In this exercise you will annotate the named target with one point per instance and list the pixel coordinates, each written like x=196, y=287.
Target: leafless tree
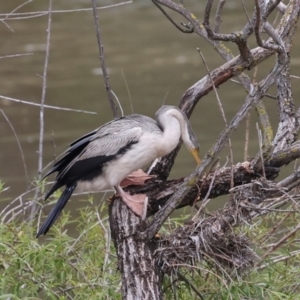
x=144, y=258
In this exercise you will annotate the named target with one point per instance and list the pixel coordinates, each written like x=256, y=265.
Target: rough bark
x=141, y=277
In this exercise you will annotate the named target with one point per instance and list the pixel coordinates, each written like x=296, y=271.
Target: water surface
x=149, y=62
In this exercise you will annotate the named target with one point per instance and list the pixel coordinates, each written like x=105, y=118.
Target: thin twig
x=15, y=55
x=107, y=240
x=119, y=103
x=218, y=19
x=248, y=119
x=18, y=142
x=280, y=242
x=222, y=113
x=294, y=76
x=48, y=106
x=43, y=99
x=247, y=134
x=188, y=282
x=279, y=259
x=188, y=30
x=246, y=13
x=206, y=199
x=15, y=9
x=128, y=92
x=110, y=95
x=261, y=152
x=34, y=14
x=251, y=87
x=41, y=135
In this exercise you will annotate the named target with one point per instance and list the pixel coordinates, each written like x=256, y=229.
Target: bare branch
x=234, y=67
x=15, y=55
x=270, y=7
x=189, y=30
x=110, y=95
x=288, y=126
x=47, y=106
x=35, y=14
x=218, y=19
x=41, y=136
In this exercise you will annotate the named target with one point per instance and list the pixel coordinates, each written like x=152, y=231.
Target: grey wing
x=111, y=144
x=127, y=123
x=99, y=151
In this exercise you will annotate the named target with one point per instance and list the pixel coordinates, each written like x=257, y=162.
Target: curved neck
x=175, y=118
x=174, y=127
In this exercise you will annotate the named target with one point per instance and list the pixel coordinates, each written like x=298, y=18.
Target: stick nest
x=212, y=239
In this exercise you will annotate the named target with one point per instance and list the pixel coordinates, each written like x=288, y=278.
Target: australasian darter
x=103, y=158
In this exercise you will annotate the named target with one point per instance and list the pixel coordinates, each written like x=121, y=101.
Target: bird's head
x=191, y=142
x=187, y=134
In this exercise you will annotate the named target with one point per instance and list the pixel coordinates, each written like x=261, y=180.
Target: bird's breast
x=150, y=146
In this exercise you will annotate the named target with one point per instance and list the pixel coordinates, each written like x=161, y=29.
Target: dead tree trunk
x=141, y=277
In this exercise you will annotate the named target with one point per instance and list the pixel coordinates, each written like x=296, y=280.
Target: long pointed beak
x=195, y=153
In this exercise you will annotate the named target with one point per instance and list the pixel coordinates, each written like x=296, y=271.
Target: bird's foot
x=137, y=177
x=137, y=203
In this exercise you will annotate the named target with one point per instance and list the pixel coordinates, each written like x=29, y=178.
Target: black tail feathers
x=57, y=209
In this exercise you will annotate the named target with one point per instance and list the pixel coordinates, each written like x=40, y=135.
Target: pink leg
x=137, y=203
x=137, y=177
